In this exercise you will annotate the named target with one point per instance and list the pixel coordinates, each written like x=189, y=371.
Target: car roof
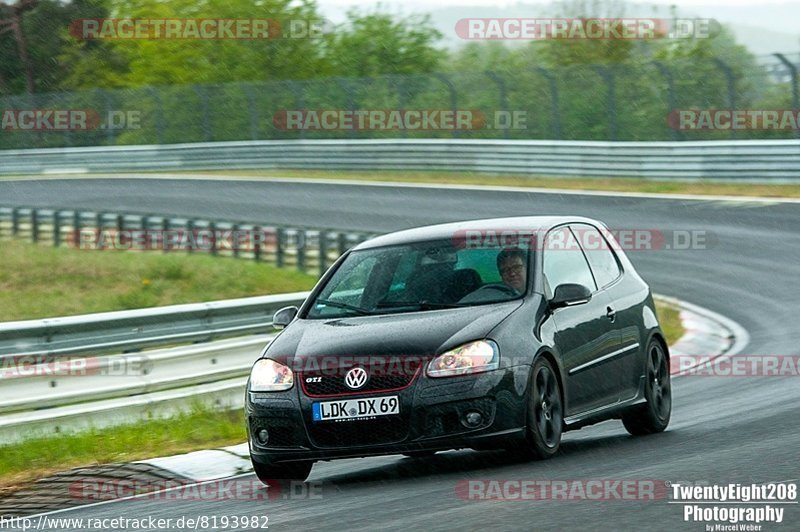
x=453, y=229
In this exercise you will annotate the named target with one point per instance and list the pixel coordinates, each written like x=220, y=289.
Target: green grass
x=195, y=430
x=38, y=281
x=670, y=320
x=619, y=184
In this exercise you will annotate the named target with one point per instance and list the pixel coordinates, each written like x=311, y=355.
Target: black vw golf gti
x=485, y=334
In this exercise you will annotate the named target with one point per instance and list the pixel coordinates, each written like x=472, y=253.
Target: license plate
x=356, y=408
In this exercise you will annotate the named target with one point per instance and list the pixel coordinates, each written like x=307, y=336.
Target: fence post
x=608, y=76
x=252, y=108
x=212, y=227
x=664, y=71
x=202, y=93
x=99, y=229
x=159, y=114
x=235, y=246
x=501, y=86
x=795, y=95
x=451, y=89
x=165, y=226
x=731, y=82
x=554, y=106
x=76, y=228
x=14, y=221
x=351, y=104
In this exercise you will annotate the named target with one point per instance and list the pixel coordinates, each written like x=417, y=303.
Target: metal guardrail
x=133, y=330
x=307, y=249
x=750, y=159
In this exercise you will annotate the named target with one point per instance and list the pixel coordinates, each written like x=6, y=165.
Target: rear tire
x=545, y=412
x=287, y=471
x=654, y=415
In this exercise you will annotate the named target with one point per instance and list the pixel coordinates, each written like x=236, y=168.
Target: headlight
x=473, y=357
x=270, y=376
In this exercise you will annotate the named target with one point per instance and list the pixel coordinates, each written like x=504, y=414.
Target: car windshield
x=421, y=276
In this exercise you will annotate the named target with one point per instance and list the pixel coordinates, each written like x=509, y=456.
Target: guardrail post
x=76, y=228
x=501, y=85
x=56, y=228
x=34, y=225
x=554, y=106
x=730, y=78
x=14, y=221
x=795, y=95
x=255, y=237
x=279, y=242
x=191, y=237
x=212, y=227
x=99, y=222
x=121, y=230
x=235, y=247
x=301, y=249
x=165, y=226
x=341, y=242
x=323, y=252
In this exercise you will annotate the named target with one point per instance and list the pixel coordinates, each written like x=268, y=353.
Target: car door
x=584, y=334
x=624, y=301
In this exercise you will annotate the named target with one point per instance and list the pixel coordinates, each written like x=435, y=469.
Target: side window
x=598, y=252
x=564, y=262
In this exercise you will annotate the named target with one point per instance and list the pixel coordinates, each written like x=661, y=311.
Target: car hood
x=409, y=334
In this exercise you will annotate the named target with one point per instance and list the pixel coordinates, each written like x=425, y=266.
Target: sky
x=764, y=26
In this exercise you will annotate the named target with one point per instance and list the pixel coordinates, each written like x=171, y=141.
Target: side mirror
x=567, y=295
x=284, y=317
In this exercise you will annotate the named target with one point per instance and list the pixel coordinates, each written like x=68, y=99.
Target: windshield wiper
x=345, y=306
x=421, y=305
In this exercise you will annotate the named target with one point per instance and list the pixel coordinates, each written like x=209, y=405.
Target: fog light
x=262, y=437
x=473, y=419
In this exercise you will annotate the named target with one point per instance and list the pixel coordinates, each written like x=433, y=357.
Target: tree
x=375, y=43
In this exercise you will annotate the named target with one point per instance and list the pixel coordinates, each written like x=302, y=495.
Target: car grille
x=380, y=380
x=355, y=433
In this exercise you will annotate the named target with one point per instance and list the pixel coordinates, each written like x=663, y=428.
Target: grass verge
x=39, y=281
x=619, y=184
x=198, y=429
x=670, y=320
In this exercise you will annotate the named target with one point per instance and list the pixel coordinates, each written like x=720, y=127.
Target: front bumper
x=430, y=418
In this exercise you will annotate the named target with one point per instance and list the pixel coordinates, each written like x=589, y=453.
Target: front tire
x=545, y=412
x=654, y=415
x=298, y=471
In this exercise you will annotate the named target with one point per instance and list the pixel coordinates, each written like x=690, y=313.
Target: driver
x=511, y=265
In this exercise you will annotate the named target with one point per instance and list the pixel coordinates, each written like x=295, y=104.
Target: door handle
x=611, y=313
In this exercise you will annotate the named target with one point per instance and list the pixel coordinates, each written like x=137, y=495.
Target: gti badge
x=355, y=378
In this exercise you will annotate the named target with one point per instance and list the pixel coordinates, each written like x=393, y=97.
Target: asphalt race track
x=723, y=430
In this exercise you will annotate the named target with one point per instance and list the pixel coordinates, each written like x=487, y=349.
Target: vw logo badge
x=355, y=378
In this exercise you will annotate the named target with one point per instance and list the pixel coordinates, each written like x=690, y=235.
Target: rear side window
x=564, y=262
x=598, y=252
